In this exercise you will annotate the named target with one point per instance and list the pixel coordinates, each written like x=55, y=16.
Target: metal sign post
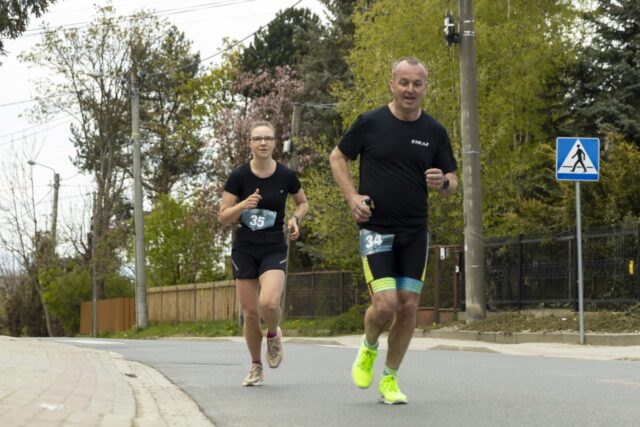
x=580, y=278
x=578, y=159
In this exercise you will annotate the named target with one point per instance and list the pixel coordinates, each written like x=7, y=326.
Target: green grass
x=596, y=322
x=221, y=328
x=351, y=322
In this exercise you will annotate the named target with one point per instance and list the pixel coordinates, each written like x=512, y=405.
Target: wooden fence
x=115, y=314
x=189, y=303
x=180, y=303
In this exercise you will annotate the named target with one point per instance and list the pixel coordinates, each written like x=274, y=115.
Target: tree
x=171, y=118
x=604, y=84
x=288, y=38
x=90, y=70
x=183, y=246
x=513, y=77
x=23, y=239
x=14, y=17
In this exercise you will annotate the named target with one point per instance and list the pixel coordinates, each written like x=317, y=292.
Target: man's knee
x=407, y=307
x=384, y=305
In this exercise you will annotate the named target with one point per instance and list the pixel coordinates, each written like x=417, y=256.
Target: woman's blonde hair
x=261, y=123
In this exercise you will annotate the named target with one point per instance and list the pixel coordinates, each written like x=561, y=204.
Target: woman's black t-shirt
x=269, y=214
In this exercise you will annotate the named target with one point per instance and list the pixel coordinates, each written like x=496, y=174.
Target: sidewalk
x=544, y=349
x=48, y=384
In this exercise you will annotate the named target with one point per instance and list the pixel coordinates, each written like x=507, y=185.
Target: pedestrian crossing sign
x=577, y=159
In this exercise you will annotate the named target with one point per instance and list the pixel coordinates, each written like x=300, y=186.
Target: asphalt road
x=445, y=388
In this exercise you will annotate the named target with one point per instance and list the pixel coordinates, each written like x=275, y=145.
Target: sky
x=205, y=23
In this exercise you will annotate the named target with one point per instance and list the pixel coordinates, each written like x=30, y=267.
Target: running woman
x=403, y=152
x=256, y=194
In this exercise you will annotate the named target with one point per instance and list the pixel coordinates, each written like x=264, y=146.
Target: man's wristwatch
x=445, y=183
x=297, y=219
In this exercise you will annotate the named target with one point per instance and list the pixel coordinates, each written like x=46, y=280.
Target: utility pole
x=288, y=150
x=140, y=256
x=472, y=189
x=289, y=146
x=54, y=210
x=51, y=252
x=94, y=281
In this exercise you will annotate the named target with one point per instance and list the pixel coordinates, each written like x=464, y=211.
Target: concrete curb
x=532, y=337
x=158, y=401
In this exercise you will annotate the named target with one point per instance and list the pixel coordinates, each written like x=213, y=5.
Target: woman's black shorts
x=255, y=252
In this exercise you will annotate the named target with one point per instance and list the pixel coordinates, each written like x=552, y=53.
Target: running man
x=256, y=194
x=403, y=152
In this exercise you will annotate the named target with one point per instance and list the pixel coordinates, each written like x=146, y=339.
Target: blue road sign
x=577, y=159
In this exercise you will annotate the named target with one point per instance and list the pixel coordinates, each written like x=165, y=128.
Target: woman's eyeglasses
x=262, y=138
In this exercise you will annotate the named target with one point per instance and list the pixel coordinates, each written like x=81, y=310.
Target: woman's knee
x=250, y=315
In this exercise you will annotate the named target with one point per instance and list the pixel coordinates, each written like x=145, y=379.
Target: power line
x=18, y=102
x=200, y=61
x=38, y=132
x=32, y=99
x=160, y=13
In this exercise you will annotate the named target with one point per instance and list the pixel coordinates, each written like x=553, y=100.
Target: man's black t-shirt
x=394, y=156
x=274, y=189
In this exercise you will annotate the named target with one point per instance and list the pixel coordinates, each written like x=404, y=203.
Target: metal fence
x=323, y=293
x=539, y=271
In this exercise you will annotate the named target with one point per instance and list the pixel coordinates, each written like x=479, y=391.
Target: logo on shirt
x=281, y=191
x=423, y=143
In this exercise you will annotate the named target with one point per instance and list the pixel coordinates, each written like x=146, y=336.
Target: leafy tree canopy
x=14, y=17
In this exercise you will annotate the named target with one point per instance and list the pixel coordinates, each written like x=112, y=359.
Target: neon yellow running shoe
x=390, y=392
x=362, y=370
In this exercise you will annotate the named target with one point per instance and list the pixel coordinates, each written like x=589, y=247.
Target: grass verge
x=351, y=322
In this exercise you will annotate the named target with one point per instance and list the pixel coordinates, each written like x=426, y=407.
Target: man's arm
x=438, y=180
x=360, y=211
x=453, y=184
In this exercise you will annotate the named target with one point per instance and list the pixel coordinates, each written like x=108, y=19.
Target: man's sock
x=388, y=371
x=369, y=346
x=272, y=334
x=257, y=362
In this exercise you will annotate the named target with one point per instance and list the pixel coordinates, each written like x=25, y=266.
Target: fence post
x=637, y=263
x=520, y=270
x=313, y=293
x=436, y=288
x=195, y=303
x=574, y=270
x=341, y=293
x=463, y=284
x=455, y=282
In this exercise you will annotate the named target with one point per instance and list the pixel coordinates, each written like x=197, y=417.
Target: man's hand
x=435, y=178
x=361, y=206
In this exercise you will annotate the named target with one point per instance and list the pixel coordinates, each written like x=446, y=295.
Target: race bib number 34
x=372, y=242
x=258, y=219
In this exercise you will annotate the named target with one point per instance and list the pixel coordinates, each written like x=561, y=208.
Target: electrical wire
x=37, y=132
x=161, y=13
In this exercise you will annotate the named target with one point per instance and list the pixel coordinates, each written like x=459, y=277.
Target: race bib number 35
x=258, y=219
x=372, y=242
